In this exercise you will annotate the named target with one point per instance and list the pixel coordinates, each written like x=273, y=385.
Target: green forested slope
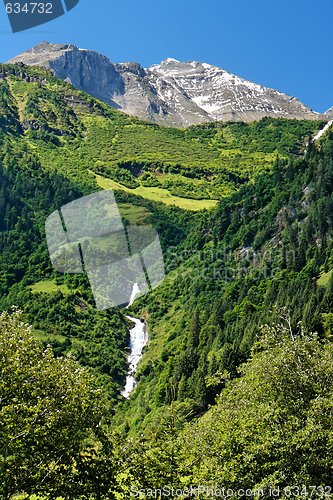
x=262, y=256
x=61, y=308
x=52, y=140
x=259, y=255
x=68, y=321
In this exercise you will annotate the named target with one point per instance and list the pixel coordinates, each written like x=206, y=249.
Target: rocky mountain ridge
x=171, y=93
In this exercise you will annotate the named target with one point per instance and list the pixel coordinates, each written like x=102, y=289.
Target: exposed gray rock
x=170, y=93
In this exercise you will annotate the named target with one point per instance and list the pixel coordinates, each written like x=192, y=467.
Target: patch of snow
x=169, y=60
x=323, y=131
x=201, y=101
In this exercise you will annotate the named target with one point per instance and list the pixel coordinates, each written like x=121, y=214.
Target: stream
x=139, y=339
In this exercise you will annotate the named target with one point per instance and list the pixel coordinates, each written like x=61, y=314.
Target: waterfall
x=139, y=339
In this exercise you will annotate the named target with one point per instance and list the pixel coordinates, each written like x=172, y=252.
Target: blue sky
x=284, y=44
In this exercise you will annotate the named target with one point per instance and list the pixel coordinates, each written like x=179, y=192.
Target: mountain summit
x=170, y=93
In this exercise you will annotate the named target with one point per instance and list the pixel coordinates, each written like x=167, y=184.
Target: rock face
x=171, y=93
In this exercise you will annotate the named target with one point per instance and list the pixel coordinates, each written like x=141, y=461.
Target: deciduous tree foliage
x=51, y=420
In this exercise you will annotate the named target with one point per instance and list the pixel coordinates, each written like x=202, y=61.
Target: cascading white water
x=136, y=290
x=139, y=339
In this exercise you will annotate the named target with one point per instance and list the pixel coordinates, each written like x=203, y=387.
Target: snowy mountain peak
x=170, y=93
x=182, y=68
x=170, y=60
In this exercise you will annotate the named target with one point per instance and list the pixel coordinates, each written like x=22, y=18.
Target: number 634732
x=29, y=8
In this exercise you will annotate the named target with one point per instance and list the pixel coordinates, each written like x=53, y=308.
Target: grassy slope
x=157, y=194
x=48, y=286
x=324, y=279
